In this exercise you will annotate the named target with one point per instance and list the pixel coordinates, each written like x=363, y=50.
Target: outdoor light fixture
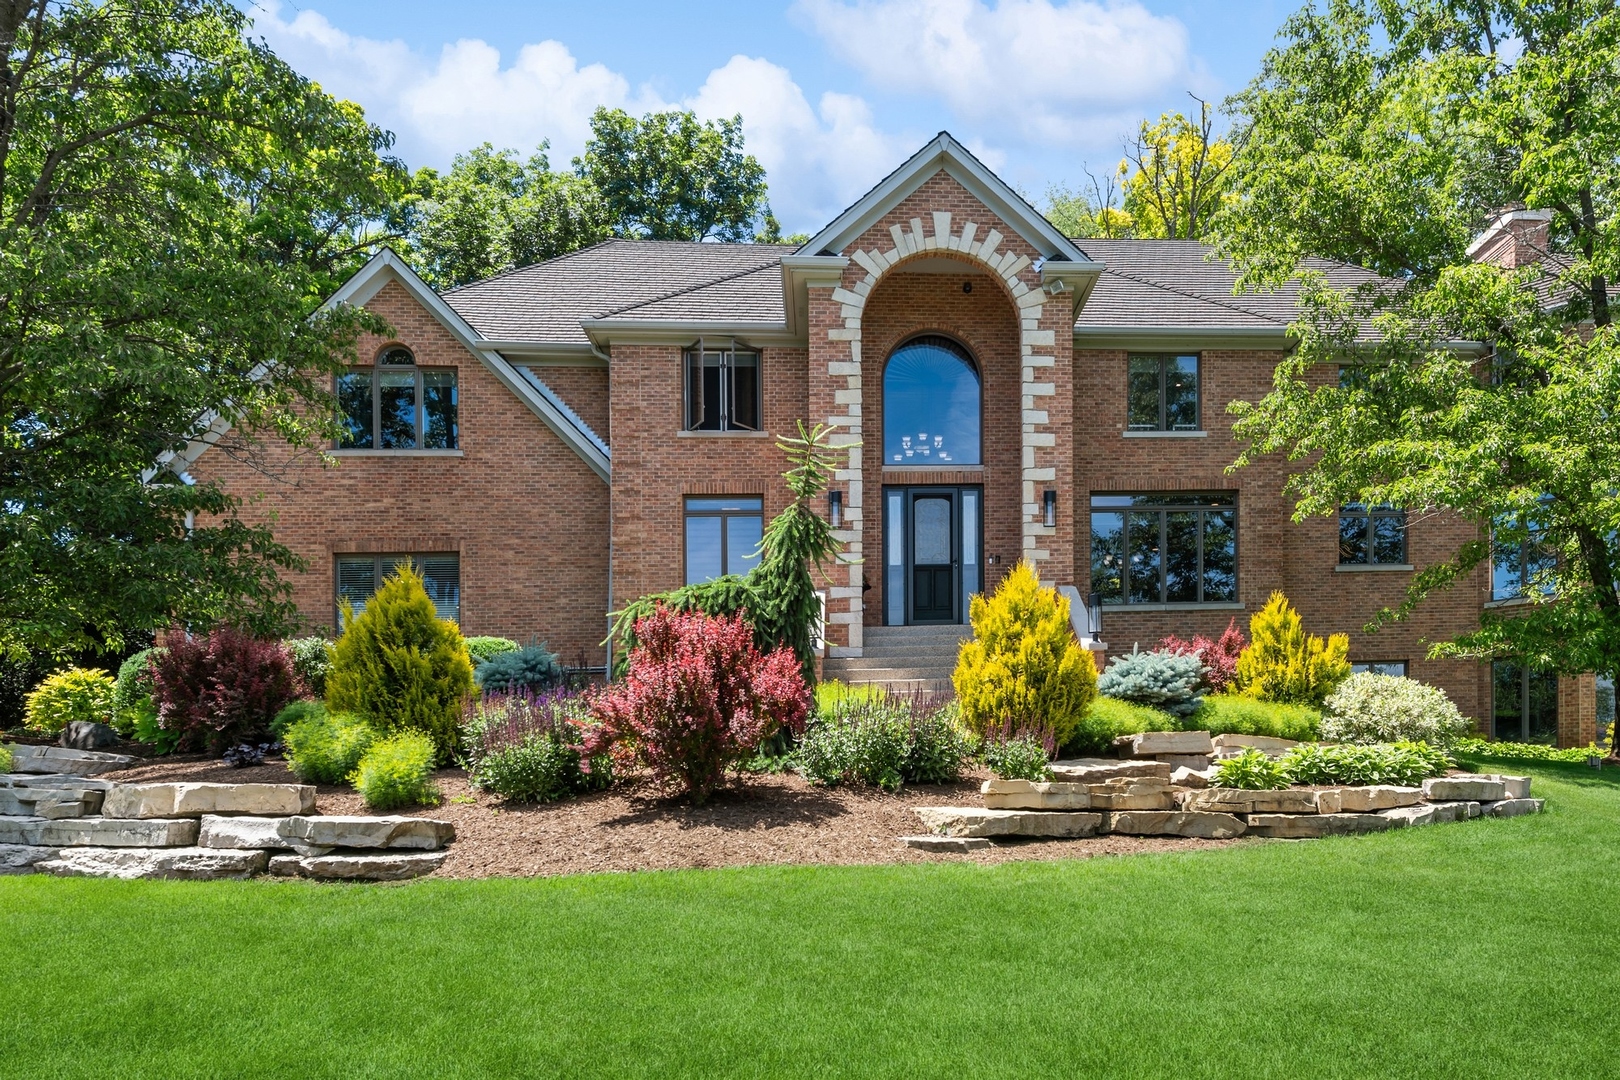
x=1094, y=615
x=835, y=508
x=1049, y=512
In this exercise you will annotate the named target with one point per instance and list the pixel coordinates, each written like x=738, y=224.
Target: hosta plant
x=1403, y=764
x=1251, y=769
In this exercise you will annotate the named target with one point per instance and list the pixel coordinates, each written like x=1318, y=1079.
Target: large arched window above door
x=931, y=405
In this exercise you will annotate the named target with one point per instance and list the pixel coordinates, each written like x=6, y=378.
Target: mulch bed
x=762, y=820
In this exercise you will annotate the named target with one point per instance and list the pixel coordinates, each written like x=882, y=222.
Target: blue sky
x=833, y=93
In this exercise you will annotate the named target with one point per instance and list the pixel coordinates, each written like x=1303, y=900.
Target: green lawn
x=1475, y=950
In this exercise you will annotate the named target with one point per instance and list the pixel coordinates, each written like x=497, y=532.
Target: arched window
x=931, y=405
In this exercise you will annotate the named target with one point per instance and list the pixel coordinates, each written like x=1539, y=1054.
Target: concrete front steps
x=902, y=659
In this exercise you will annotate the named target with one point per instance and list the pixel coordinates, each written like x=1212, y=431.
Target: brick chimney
x=1514, y=238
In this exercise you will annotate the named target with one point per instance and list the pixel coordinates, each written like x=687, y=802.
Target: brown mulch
x=762, y=820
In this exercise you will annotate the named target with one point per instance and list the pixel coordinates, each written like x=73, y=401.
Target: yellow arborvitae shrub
x=1284, y=664
x=1023, y=664
x=401, y=667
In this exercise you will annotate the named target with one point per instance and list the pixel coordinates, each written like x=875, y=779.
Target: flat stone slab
x=1245, y=801
x=185, y=863
x=929, y=842
x=1514, y=787
x=99, y=832
x=253, y=834
x=1229, y=745
x=1512, y=807
x=1310, y=826
x=1464, y=788
x=22, y=858
x=1403, y=816
x=48, y=802
x=58, y=780
x=1154, y=743
x=1363, y=800
x=981, y=821
x=359, y=866
x=58, y=759
x=1192, y=778
x=1208, y=826
x=1097, y=770
x=1186, y=761
x=359, y=831
x=1033, y=795
x=1454, y=811
x=194, y=800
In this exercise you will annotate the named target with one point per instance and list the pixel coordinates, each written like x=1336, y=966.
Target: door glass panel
x=1142, y=538
x=931, y=531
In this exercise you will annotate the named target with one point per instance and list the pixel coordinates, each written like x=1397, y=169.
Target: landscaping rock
x=47, y=802
x=1464, y=788
x=57, y=759
x=1192, y=778
x=187, y=863
x=1133, y=793
x=945, y=843
x=22, y=858
x=363, y=866
x=1232, y=745
x=1309, y=826
x=99, y=832
x=87, y=735
x=253, y=833
x=1514, y=787
x=1362, y=800
x=1186, y=761
x=1154, y=743
x=1454, y=811
x=1512, y=807
x=357, y=831
x=1029, y=795
x=1243, y=801
x=980, y=821
x=1422, y=814
x=1097, y=770
x=1207, y=826
x=194, y=800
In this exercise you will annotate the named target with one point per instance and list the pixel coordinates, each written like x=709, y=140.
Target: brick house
x=555, y=441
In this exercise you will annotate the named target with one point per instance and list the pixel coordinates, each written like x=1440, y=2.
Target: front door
x=933, y=556
x=931, y=553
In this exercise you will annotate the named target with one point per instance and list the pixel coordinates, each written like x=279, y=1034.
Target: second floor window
x=1518, y=558
x=1162, y=393
x=396, y=405
x=1371, y=537
x=722, y=389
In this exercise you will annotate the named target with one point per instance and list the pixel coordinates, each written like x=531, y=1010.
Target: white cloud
x=1042, y=72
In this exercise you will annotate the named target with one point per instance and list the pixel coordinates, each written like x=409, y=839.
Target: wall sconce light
x=835, y=508
x=1094, y=615
x=1049, y=510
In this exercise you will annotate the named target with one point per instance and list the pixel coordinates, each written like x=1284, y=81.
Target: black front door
x=934, y=558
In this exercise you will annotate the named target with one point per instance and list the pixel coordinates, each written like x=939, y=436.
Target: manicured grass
x=1474, y=950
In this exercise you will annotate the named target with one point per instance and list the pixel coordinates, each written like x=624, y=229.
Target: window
x=1518, y=557
x=1178, y=548
x=931, y=405
x=1524, y=703
x=1372, y=537
x=1162, y=393
x=359, y=575
x=397, y=405
x=722, y=536
x=1605, y=710
x=1380, y=667
x=722, y=389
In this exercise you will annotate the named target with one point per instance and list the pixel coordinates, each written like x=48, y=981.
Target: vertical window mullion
x=725, y=405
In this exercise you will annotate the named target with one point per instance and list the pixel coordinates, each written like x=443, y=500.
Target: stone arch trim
x=1038, y=349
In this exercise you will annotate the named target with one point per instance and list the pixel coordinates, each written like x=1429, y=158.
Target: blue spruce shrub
x=1158, y=679
x=533, y=669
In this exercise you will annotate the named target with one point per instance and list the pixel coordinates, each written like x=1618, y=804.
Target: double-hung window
x=396, y=405
x=1162, y=393
x=722, y=389
x=722, y=536
x=358, y=577
x=1174, y=548
x=1371, y=536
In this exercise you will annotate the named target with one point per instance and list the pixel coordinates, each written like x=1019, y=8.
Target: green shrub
x=883, y=740
x=483, y=647
x=1368, y=708
x=67, y=696
x=149, y=731
x=132, y=693
x=1107, y=719
x=325, y=747
x=1230, y=714
x=1406, y=764
x=533, y=669
x=6, y=758
x=938, y=746
x=1518, y=751
x=293, y=713
x=311, y=661
x=401, y=666
x=833, y=693
x=1251, y=769
x=1023, y=756
x=529, y=749
x=397, y=772
x=1160, y=680
x=1283, y=663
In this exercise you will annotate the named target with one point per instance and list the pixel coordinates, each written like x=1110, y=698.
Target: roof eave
x=611, y=331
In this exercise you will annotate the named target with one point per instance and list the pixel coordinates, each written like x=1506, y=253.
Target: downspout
x=605, y=358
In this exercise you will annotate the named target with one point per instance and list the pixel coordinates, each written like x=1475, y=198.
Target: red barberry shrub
x=1219, y=656
x=698, y=698
x=222, y=689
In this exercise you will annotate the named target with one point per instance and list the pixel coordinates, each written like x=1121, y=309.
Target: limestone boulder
x=1514, y=787
x=195, y=800
x=1156, y=743
x=58, y=759
x=1192, y=778
x=99, y=832
x=1512, y=807
x=1097, y=770
x=22, y=858
x=1464, y=789
x=1309, y=826
x=1231, y=745
x=982, y=821
x=359, y=831
x=87, y=735
x=1244, y=801
x=953, y=844
x=1031, y=795
x=1208, y=826
x=1402, y=816
x=1454, y=811
x=253, y=834
x=186, y=863
x=1365, y=800
x=48, y=802
x=359, y=865
x=1187, y=761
